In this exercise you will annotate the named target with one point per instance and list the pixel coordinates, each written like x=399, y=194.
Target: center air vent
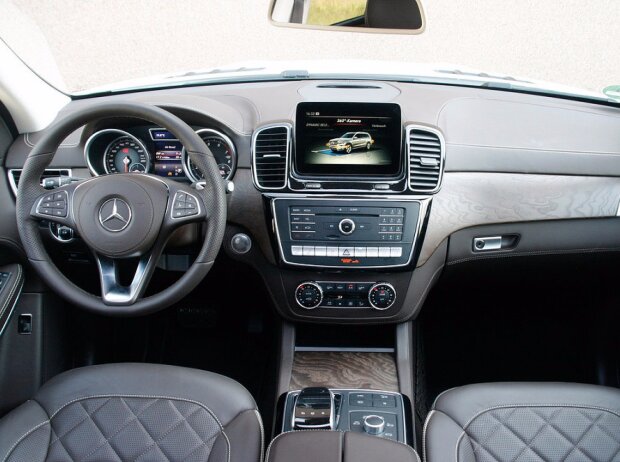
x=270, y=156
x=426, y=157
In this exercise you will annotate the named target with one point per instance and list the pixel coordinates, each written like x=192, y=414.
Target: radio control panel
x=346, y=233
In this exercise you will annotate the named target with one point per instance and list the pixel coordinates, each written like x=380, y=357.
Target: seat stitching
x=144, y=428
x=122, y=427
x=584, y=434
x=572, y=406
x=199, y=446
x=531, y=440
x=21, y=438
x=456, y=447
x=183, y=419
x=515, y=434
x=262, y=434
x=88, y=416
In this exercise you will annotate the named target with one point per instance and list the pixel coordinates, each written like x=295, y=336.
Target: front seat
x=134, y=412
x=524, y=422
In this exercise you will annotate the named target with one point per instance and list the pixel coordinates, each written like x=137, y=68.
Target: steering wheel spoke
x=55, y=205
x=113, y=292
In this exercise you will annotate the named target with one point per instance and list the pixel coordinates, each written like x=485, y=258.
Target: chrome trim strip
x=288, y=128
x=16, y=292
x=424, y=204
x=442, y=143
x=216, y=134
x=345, y=349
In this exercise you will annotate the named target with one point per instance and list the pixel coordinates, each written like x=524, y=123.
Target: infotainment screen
x=348, y=139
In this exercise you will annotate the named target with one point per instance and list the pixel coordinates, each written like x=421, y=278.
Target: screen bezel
x=394, y=171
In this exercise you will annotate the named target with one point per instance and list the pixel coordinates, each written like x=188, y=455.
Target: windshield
x=84, y=46
x=347, y=135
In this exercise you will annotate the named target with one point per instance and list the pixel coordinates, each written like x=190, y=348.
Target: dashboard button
x=332, y=251
x=396, y=252
x=372, y=252
x=308, y=251
x=297, y=250
x=320, y=251
x=384, y=252
x=360, y=251
x=346, y=251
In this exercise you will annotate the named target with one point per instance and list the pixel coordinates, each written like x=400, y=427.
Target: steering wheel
x=121, y=216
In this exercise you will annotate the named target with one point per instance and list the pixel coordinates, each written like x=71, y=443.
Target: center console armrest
x=336, y=446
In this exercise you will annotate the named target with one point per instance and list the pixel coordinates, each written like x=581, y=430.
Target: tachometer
x=125, y=155
x=223, y=150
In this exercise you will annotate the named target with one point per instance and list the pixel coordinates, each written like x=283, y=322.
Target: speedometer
x=223, y=150
x=126, y=155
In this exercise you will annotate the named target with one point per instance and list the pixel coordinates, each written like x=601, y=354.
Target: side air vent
x=270, y=150
x=15, y=174
x=426, y=157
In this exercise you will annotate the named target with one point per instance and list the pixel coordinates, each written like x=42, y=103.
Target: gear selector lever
x=314, y=408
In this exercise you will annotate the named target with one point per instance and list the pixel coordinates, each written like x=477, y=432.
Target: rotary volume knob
x=309, y=295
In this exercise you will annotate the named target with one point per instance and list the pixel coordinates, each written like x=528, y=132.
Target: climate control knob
x=382, y=296
x=374, y=424
x=308, y=295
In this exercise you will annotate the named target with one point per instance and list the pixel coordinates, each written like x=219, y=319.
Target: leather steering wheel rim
x=30, y=190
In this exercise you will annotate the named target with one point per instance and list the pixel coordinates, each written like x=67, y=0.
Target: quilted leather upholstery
x=72, y=420
x=512, y=422
x=545, y=434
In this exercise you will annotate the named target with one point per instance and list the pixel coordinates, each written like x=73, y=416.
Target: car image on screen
x=350, y=141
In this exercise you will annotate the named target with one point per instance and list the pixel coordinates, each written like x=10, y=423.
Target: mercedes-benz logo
x=115, y=215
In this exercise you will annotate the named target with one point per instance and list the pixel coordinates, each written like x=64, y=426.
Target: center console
x=370, y=412
x=347, y=189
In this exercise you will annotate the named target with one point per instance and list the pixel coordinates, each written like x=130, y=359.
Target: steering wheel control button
x=309, y=295
x=346, y=226
x=53, y=205
x=115, y=215
x=241, y=243
x=374, y=424
x=184, y=205
x=382, y=296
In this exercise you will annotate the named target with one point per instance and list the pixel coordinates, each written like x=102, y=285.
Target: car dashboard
x=350, y=200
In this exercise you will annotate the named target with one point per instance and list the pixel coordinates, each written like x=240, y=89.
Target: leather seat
x=524, y=422
x=135, y=412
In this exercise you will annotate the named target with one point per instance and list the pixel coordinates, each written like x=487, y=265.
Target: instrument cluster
x=155, y=150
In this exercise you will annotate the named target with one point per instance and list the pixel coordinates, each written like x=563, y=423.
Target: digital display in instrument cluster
x=168, y=160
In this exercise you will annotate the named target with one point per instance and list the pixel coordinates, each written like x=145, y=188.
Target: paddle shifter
x=314, y=408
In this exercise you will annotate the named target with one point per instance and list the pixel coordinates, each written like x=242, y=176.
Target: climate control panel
x=323, y=294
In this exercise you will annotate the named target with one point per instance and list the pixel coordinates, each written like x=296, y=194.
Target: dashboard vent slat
x=270, y=151
x=425, y=147
x=16, y=173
